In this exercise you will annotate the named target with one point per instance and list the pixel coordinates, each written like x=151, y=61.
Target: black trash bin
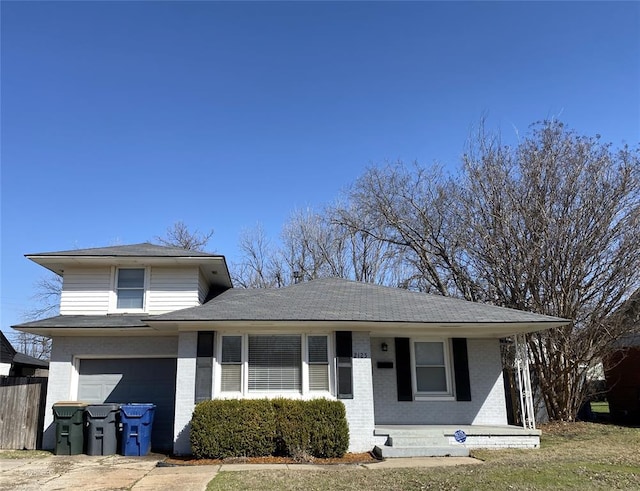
x=69, y=421
x=101, y=429
x=137, y=422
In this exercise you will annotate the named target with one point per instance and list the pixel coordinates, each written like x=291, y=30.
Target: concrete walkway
x=113, y=472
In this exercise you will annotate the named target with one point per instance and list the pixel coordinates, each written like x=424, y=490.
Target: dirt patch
x=349, y=458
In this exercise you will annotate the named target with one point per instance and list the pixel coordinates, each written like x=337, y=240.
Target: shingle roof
x=332, y=299
x=145, y=249
x=23, y=359
x=89, y=321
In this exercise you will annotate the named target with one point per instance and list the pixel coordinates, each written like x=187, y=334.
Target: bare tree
x=260, y=266
x=553, y=226
x=47, y=298
x=179, y=235
x=416, y=211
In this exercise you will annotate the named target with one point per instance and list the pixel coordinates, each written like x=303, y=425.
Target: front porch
x=440, y=440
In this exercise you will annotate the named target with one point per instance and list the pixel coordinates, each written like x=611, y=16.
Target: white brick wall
x=499, y=441
x=185, y=391
x=63, y=376
x=360, y=414
x=487, y=405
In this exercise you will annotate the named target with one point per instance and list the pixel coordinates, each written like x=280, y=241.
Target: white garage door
x=151, y=380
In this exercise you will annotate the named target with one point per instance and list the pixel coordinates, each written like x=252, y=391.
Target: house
x=622, y=371
x=147, y=323
x=15, y=364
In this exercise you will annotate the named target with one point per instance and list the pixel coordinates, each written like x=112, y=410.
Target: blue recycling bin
x=137, y=422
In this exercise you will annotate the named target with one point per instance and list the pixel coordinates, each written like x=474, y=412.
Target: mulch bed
x=349, y=458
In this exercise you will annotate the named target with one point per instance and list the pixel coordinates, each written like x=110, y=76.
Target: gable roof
x=213, y=266
x=145, y=249
x=333, y=299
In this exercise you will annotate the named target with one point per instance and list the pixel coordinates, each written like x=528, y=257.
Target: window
x=318, y=363
x=259, y=363
x=431, y=368
x=275, y=363
x=130, y=289
x=231, y=364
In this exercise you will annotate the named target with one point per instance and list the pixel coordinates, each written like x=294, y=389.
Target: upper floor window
x=130, y=288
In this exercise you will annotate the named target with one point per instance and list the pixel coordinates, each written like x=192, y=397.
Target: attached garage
x=125, y=380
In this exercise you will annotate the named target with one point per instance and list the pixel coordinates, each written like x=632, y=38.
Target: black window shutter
x=461, y=369
x=344, y=350
x=403, y=369
x=204, y=366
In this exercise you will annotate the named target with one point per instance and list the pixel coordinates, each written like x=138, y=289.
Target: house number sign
x=360, y=354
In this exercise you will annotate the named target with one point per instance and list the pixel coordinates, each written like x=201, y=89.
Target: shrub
x=232, y=428
x=329, y=432
x=260, y=427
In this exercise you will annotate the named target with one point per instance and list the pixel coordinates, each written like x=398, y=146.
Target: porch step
x=417, y=442
x=428, y=440
x=384, y=451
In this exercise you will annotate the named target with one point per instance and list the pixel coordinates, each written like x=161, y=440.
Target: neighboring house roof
x=630, y=341
x=30, y=361
x=10, y=355
x=213, y=266
x=7, y=351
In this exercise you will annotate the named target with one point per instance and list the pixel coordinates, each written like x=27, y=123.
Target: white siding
x=172, y=289
x=85, y=291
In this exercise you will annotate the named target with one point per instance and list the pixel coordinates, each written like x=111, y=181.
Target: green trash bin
x=69, y=420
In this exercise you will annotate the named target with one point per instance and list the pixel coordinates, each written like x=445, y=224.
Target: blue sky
x=121, y=118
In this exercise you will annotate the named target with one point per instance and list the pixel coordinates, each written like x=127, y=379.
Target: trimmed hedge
x=261, y=427
x=232, y=428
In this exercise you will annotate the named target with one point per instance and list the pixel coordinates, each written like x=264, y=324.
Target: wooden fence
x=22, y=406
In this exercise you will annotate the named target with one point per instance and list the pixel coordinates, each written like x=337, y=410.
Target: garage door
x=141, y=380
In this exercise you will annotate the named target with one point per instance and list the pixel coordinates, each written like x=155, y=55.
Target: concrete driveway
x=61, y=472
x=64, y=472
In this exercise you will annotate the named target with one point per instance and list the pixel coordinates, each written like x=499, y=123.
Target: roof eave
x=469, y=330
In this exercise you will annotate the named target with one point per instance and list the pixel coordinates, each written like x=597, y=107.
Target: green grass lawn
x=24, y=454
x=581, y=456
x=600, y=407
